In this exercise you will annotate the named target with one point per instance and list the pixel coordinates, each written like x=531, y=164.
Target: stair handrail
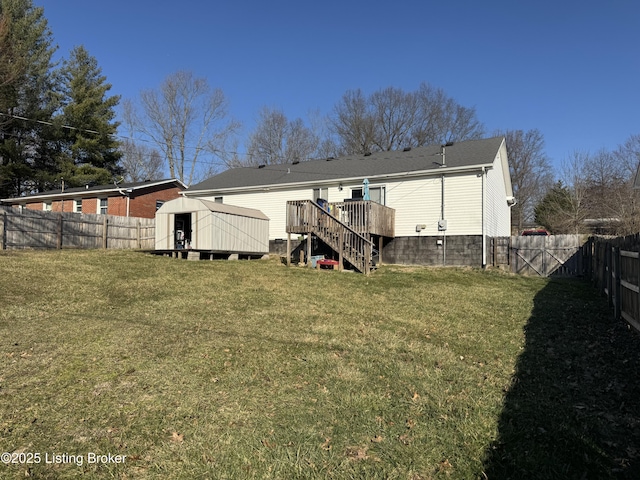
x=365, y=253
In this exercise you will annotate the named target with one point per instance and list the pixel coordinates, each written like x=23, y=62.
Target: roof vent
x=367, y=154
x=330, y=158
x=448, y=144
x=406, y=149
x=295, y=162
x=262, y=165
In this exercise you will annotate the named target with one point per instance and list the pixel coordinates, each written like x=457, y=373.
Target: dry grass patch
x=254, y=370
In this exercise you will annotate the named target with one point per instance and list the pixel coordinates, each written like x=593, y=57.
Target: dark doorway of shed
x=182, y=230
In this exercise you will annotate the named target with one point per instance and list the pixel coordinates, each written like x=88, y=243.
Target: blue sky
x=568, y=68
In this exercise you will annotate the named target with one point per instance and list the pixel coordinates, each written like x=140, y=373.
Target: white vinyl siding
x=497, y=210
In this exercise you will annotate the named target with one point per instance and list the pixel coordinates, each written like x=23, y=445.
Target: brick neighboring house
x=138, y=199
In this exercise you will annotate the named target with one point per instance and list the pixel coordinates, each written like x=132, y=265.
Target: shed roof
x=192, y=204
x=419, y=159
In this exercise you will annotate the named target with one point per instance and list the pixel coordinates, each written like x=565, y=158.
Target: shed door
x=182, y=231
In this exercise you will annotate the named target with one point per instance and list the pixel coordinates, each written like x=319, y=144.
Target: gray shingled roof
x=463, y=154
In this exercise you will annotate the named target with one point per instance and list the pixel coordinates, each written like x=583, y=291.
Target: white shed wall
x=235, y=233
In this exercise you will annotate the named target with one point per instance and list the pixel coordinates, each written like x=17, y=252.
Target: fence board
x=538, y=255
x=616, y=274
x=51, y=230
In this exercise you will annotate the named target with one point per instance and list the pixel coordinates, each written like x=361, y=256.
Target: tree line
x=59, y=127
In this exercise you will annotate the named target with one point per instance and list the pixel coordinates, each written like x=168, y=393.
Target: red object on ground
x=327, y=262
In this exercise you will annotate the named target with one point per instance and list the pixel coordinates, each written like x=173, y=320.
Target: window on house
x=46, y=206
x=320, y=193
x=217, y=199
x=159, y=203
x=376, y=194
x=103, y=206
x=77, y=206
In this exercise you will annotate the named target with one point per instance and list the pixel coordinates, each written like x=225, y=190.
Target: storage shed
x=206, y=226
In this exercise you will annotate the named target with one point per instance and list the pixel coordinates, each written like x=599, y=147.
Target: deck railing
x=306, y=216
x=363, y=216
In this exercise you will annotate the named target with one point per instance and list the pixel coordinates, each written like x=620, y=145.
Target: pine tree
x=25, y=91
x=89, y=151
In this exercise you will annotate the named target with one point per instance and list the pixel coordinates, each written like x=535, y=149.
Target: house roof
x=95, y=190
x=461, y=155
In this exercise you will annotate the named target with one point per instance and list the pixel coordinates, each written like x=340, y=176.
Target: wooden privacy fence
x=615, y=272
x=54, y=230
x=558, y=255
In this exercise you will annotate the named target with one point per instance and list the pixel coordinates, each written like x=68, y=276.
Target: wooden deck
x=346, y=227
x=363, y=216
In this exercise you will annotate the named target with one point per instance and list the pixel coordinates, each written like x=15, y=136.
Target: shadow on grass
x=573, y=407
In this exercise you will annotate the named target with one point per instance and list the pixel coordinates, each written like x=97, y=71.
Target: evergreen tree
x=554, y=210
x=25, y=91
x=89, y=151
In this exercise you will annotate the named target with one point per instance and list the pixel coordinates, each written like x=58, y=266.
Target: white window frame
x=47, y=206
x=321, y=192
x=77, y=205
x=99, y=206
x=381, y=188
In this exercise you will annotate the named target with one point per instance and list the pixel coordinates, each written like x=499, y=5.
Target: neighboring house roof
x=96, y=190
x=184, y=205
x=459, y=156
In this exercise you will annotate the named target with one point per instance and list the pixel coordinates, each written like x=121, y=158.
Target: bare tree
x=186, y=119
x=531, y=173
x=354, y=123
x=141, y=162
x=394, y=113
x=573, y=172
x=278, y=140
x=391, y=118
x=440, y=119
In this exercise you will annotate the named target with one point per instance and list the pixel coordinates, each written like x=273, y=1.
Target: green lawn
x=255, y=370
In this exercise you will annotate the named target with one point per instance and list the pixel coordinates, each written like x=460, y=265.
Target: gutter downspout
x=484, y=236
x=444, y=232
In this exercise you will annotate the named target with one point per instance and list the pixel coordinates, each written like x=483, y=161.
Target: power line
x=124, y=137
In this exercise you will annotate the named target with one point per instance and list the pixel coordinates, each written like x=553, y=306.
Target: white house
x=448, y=199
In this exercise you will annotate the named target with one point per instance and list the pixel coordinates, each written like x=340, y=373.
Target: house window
x=159, y=203
x=46, y=206
x=103, y=206
x=217, y=199
x=377, y=194
x=77, y=206
x=320, y=193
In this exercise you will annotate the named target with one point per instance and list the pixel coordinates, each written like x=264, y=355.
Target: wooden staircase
x=306, y=216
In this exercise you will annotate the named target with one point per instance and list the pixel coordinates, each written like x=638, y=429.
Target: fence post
x=617, y=304
x=59, y=232
x=105, y=224
x=3, y=234
x=138, y=236
x=609, y=274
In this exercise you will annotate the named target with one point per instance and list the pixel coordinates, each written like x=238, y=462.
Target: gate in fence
x=557, y=255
